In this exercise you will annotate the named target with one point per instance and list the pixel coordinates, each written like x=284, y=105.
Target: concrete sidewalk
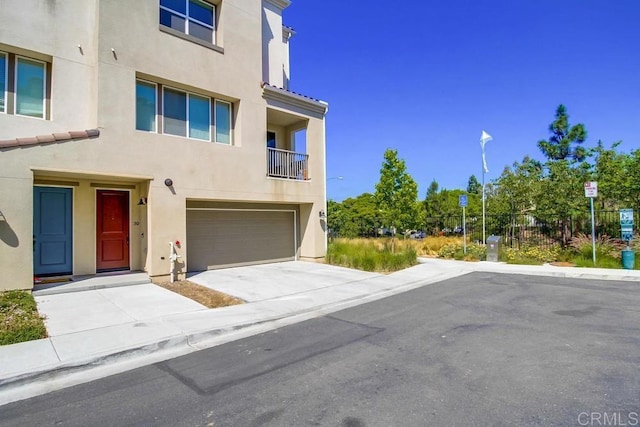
x=102, y=331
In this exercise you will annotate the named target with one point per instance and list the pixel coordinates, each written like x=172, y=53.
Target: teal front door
x=52, y=231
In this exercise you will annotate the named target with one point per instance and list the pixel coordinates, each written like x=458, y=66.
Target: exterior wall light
x=142, y=201
x=322, y=214
x=168, y=182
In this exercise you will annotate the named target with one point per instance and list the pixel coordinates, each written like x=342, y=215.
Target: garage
x=219, y=238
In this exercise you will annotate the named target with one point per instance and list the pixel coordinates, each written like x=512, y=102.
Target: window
x=193, y=17
x=199, y=117
x=183, y=113
x=271, y=139
x=175, y=112
x=23, y=86
x=3, y=82
x=30, y=93
x=146, y=106
x=223, y=122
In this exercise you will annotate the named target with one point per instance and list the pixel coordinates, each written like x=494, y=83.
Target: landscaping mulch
x=201, y=294
x=562, y=264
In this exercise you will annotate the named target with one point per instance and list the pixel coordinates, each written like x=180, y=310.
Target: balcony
x=287, y=164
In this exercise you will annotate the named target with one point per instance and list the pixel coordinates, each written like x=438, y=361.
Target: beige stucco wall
x=95, y=88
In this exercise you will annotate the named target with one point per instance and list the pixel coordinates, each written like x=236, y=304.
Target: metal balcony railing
x=287, y=164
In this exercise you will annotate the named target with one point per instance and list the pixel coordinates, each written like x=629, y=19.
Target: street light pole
x=483, y=209
x=484, y=138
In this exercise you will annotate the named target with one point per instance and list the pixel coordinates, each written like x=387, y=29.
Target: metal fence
x=529, y=229
x=287, y=164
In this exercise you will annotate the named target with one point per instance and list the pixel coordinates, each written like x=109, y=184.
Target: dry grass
x=431, y=245
x=201, y=294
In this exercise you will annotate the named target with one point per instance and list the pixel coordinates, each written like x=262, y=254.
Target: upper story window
x=193, y=17
x=23, y=86
x=3, y=82
x=30, y=88
x=183, y=113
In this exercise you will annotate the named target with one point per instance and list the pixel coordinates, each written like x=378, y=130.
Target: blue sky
x=426, y=77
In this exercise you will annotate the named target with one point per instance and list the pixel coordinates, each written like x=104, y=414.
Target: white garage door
x=227, y=238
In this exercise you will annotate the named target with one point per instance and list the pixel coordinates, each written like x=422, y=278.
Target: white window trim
x=188, y=18
x=15, y=88
x=155, y=110
x=6, y=81
x=215, y=125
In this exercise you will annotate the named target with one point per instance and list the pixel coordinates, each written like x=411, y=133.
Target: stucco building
x=127, y=127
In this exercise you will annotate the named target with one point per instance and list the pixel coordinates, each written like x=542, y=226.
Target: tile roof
x=265, y=84
x=49, y=138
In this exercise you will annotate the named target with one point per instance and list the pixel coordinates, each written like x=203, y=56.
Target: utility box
x=494, y=244
x=628, y=259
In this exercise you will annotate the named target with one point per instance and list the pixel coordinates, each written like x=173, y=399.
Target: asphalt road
x=482, y=349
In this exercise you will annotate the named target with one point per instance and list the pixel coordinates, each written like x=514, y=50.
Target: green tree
x=361, y=216
x=518, y=188
x=515, y=195
x=566, y=141
x=618, y=176
x=397, y=194
x=566, y=170
x=336, y=217
x=473, y=186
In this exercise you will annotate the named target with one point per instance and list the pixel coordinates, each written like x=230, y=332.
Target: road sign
x=626, y=224
x=462, y=201
x=626, y=217
x=591, y=189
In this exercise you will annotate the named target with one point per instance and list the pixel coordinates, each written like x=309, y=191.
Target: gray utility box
x=494, y=244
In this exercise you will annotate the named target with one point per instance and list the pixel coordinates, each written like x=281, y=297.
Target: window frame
x=188, y=19
x=5, y=83
x=44, y=87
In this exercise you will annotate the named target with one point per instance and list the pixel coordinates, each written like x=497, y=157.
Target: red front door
x=112, y=230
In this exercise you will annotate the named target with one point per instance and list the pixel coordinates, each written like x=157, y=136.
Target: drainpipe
x=173, y=258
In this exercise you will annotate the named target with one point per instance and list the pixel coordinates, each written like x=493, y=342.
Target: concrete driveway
x=268, y=281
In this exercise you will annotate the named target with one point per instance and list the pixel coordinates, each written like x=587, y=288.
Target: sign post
x=591, y=191
x=462, y=201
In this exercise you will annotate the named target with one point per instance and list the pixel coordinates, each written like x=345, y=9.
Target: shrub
x=532, y=255
x=371, y=255
x=606, y=246
x=475, y=252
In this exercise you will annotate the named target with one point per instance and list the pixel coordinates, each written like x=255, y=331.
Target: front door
x=112, y=230
x=52, y=231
